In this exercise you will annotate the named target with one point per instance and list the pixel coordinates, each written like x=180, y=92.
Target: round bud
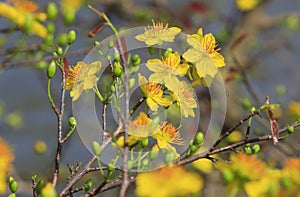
x=248, y=150
x=69, y=16
x=199, y=138
x=118, y=70
x=130, y=164
x=154, y=153
x=13, y=186
x=228, y=175
x=145, y=163
x=49, y=39
x=96, y=43
x=256, y=148
x=96, y=148
x=51, y=11
x=170, y=156
x=59, y=51
x=28, y=23
x=291, y=129
x=252, y=109
x=51, y=69
x=88, y=185
x=50, y=28
x=193, y=148
x=151, y=50
x=62, y=39
x=12, y=195
x=135, y=57
x=71, y=36
x=131, y=82
x=117, y=57
x=137, y=62
x=111, y=44
x=72, y=122
x=144, y=142
x=112, y=88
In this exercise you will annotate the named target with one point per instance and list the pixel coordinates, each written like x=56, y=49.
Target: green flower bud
x=131, y=82
x=49, y=40
x=12, y=195
x=292, y=22
x=199, y=138
x=256, y=148
x=34, y=177
x=280, y=90
x=13, y=186
x=151, y=50
x=50, y=28
x=96, y=43
x=51, y=69
x=228, y=175
x=191, y=143
x=28, y=22
x=252, y=109
x=71, y=37
x=137, y=62
x=59, y=51
x=145, y=163
x=111, y=44
x=117, y=57
x=135, y=57
x=96, y=148
x=118, y=70
x=51, y=11
x=130, y=164
x=42, y=65
x=62, y=39
x=170, y=156
x=111, y=168
x=193, y=148
x=291, y=129
x=88, y=185
x=154, y=154
x=69, y=16
x=134, y=69
x=167, y=53
x=39, y=186
x=246, y=103
x=72, y=122
x=144, y=142
x=112, y=88
x=248, y=150
x=54, y=55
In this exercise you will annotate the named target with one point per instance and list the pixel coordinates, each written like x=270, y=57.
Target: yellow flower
x=141, y=127
x=167, y=135
x=291, y=177
x=204, y=165
x=82, y=77
x=6, y=159
x=242, y=169
x=154, y=93
x=49, y=191
x=165, y=70
x=246, y=5
x=294, y=109
x=157, y=34
x=74, y=4
x=184, y=96
x=20, y=11
x=167, y=182
x=204, y=54
x=267, y=185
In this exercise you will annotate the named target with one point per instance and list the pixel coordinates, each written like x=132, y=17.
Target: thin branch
x=246, y=81
x=59, y=132
x=136, y=106
x=229, y=131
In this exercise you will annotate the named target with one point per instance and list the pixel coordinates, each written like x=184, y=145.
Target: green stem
x=49, y=95
x=97, y=92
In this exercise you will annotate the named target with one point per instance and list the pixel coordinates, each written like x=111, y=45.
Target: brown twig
x=59, y=131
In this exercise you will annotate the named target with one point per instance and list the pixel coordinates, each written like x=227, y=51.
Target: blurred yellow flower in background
x=6, y=159
x=246, y=5
x=157, y=34
x=294, y=109
x=167, y=182
x=21, y=11
x=154, y=92
x=73, y=4
x=82, y=77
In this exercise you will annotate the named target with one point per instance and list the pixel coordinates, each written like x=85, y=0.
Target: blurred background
x=261, y=49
